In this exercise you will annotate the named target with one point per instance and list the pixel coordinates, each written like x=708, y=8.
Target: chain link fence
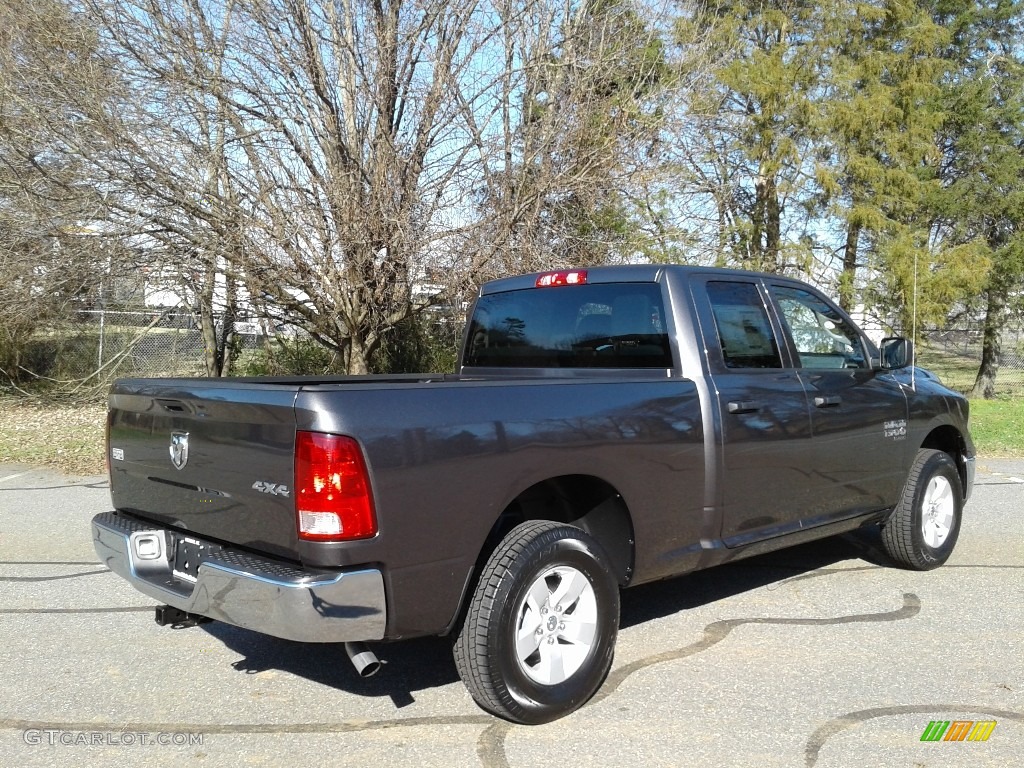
x=954, y=354
x=92, y=348
x=141, y=343
x=97, y=346
x=150, y=344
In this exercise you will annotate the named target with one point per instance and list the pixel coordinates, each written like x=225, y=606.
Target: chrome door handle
x=744, y=406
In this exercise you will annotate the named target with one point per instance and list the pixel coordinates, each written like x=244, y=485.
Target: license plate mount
x=188, y=555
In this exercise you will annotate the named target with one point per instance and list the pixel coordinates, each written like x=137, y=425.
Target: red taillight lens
x=575, y=277
x=333, y=501
x=106, y=443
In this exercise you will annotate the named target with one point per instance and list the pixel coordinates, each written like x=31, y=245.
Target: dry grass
x=67, y=437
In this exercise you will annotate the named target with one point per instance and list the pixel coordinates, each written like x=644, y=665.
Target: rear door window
x=744, y=331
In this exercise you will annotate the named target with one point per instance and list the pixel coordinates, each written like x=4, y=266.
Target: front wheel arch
x=949, y=439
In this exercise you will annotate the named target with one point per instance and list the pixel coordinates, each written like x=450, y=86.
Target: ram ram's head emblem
x=179, y=449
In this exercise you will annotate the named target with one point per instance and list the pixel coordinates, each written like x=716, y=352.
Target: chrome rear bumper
x=246, y=590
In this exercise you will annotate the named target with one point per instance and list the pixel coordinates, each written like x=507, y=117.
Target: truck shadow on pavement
x=425, y=663
x=664, y=598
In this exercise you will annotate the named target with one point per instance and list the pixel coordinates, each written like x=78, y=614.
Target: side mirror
x=895, y=352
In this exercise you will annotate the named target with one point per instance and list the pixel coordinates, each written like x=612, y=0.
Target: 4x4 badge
x=179, y=449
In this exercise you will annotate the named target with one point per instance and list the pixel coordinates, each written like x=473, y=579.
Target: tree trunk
x=218, y=332
x=766, y=239
x=848, y=278
x=226, y=338
x=773, y=227
x=208, y=320
x=358, y=356
x=755, y=248
x=991, y=345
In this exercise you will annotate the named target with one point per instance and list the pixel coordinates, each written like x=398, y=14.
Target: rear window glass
x=602, y=325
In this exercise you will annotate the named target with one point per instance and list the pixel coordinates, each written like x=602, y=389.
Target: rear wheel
x=924, y=527
x=540, y=632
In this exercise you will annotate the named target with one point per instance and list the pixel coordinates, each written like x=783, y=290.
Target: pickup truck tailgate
x=210, y=457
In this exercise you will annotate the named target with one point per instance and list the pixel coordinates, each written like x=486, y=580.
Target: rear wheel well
x=581, y=500
x=949, y=440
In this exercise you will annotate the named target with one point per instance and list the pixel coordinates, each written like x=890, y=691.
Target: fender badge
x=179, y=449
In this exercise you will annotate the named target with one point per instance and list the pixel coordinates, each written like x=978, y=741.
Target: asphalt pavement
x=820, y=655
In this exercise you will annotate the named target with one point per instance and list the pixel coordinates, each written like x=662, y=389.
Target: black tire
x=531, y=565
x=923, y=529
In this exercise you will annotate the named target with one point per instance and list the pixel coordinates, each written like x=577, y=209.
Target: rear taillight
x=333, y=500
x=106, y=443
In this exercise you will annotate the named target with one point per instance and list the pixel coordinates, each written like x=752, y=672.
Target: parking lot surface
x=819, y=655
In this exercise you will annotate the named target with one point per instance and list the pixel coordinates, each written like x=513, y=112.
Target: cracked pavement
x=819, y=655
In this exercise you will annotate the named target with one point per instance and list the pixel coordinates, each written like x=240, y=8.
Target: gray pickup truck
x=608, y=427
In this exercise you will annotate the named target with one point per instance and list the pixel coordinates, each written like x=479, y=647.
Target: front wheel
x=923, y=529
x=540, y=632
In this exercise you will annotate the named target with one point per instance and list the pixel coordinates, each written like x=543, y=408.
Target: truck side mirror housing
x=895, y=352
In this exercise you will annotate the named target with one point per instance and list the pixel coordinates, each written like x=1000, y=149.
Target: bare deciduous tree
x=581, y=109
x=290, y=145
x=51, y=257
x=325, y=156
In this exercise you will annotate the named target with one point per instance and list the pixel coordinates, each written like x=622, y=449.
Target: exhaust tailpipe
x=363, y=659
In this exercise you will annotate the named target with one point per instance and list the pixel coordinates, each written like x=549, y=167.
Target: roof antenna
x=913, y=333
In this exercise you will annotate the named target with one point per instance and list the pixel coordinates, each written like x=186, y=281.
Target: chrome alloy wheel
x=556, y=625
x=937, y=511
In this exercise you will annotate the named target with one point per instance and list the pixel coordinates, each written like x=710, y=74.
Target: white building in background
x=869, y=323
x=163, y=288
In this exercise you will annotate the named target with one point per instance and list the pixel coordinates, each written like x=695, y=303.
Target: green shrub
x=422, y=344
x=290, y=357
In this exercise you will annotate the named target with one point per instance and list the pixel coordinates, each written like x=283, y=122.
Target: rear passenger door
x=858, y=415
x=765, y=437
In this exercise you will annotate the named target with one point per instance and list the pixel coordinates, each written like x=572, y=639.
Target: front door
x=858, y=415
